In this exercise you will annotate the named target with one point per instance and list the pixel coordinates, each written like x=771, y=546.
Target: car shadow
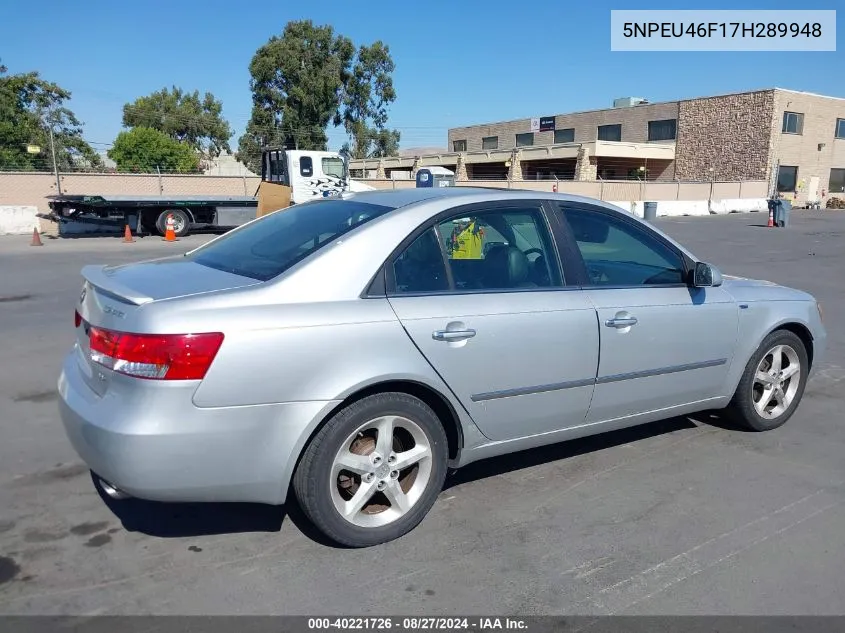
x=495, y=466
x=180, y=520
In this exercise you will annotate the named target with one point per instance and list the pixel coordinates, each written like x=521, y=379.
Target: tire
x=182, y=219
x=324, y=488
x=743, y=409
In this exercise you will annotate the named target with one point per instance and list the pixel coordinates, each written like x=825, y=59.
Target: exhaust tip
x=112, y=491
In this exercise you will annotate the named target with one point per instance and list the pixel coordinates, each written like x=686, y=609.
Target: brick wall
x=634, y=121
x=729, y=134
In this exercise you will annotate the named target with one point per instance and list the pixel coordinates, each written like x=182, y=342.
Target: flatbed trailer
x=148, y=214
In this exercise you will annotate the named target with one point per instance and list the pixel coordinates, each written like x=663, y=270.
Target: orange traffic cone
x=771, y=218
x=36, y=238
x=170, y=232
x=127, y=235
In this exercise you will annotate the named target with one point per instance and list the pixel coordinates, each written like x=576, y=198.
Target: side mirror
x=706, y=276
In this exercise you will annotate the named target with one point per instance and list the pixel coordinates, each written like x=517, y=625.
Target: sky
x=458, y=62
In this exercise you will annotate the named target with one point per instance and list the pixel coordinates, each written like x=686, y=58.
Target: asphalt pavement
x=684, y=516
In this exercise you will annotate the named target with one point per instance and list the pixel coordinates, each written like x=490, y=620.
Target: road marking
x=706, y=555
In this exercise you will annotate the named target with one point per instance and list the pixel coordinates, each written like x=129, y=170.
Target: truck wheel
x=181, y=219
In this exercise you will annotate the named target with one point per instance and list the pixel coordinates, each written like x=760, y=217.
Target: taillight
x=155, y=356
x=77, y=318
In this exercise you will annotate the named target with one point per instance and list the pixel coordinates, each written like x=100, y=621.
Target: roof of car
x=396, y=198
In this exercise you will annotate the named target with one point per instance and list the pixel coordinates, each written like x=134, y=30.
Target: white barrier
x=679, y=208
x=17, y=220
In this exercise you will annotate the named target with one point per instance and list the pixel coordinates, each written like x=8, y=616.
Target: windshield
x=266, y=248
x=333, y=167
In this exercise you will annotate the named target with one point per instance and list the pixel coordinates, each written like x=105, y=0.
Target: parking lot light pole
x=53, y=153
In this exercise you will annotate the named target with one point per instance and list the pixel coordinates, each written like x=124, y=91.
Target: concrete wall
x=634, y=122
x=616, y=190
x=17, y=220
x=31, y=189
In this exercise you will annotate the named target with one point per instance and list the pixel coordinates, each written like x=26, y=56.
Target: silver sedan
x=353, y=350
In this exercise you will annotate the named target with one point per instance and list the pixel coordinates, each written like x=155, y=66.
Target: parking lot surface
x=685, y=516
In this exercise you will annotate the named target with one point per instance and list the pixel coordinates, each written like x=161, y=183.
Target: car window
x=503, y=249
x=306, y=167
x=420, y=268
x=267, y=247
x=333, y=167
x=616, y=253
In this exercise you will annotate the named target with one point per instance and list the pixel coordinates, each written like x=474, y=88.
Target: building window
x=837, y=179
x=490, y=142
x=610, y=132
x=565, y=136
x=840, y=128
x=665, y=130
x=525, y=140
x=459, y=146
x=787, y=178
x=793, y=123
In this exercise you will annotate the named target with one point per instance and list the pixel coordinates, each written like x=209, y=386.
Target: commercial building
x=793, y=140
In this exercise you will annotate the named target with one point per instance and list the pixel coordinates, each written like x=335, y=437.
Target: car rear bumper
x=152, y=442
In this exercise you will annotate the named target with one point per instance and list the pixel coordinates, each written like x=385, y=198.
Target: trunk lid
x=111, y=295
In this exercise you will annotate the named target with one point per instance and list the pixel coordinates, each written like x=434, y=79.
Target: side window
x=509, y=248
x=617, y=253
x=306, y=166
x=420, y=268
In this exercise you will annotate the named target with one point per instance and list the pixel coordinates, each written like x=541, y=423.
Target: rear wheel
x=373, y=472
x=181, y=222
x=773, y=383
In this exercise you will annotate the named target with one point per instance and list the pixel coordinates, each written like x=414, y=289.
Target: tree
x=145, y=149
x=310, y=77
x=367, y=95
x=184, y=117
x=29, y=106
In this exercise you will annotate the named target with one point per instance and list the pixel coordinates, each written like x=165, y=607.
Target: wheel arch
x=441, y=405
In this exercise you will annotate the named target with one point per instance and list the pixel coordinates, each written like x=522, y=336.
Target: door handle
x=621, y=322
x=452, y=335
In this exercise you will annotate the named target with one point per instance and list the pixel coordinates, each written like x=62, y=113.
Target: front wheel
x=373, y=472
x=772, y=384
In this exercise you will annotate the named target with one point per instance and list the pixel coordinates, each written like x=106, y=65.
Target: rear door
x=481, y=294
x=663, y=343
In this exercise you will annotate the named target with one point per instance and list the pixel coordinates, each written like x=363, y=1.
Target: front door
x=482, y=296
x=663, y=343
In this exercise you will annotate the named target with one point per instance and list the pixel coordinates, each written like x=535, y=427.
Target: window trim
x=839, y=121
x=487, y=138
x=800, y=119
x=455, y=144
x=550, y=219
x=830, y=179
x=581, y=267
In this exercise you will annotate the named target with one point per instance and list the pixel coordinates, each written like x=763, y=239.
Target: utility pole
x=53, y=153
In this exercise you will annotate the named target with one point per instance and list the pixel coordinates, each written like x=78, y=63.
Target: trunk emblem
x=114, y=311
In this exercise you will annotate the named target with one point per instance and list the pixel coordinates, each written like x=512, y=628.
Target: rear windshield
x=268, y=247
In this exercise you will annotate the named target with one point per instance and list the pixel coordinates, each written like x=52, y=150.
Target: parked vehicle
x=347, y=349
x=288, y=177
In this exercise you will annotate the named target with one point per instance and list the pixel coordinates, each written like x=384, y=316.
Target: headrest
x=505, y=267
